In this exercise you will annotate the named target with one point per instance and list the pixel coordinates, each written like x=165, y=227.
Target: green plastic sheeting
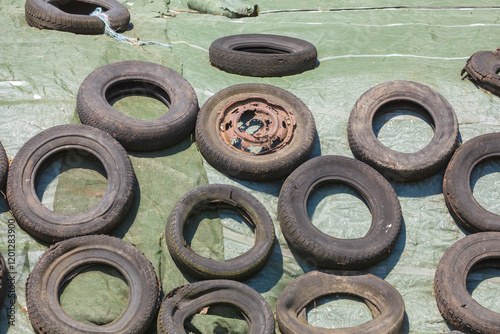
x=359, y=45
x=230, y=9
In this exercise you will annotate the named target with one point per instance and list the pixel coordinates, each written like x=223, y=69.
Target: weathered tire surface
x=57, y=141
x=138, y=77
x=211, y=196
x=62, y=261
x=184, y=301
x=330, y=252
x=455, y=303
x=261, y=55
x=482, y=68
x=74, y=16
x=4, y=166
x=406, y=95
x=4, y=273
x=385, y=302
x=264, y=167
x=456, y=185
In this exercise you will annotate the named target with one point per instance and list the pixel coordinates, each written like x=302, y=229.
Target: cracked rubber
x=184, y=301
x=64, y=260
x=403, y=95
x=385, y=302
x=4, y=167
x=458, y=308
x=227, y=197
x=261, y=55
x=482, y=68
x=74, y=16
x=38, y=152
x=138, y=78
x=327, y=251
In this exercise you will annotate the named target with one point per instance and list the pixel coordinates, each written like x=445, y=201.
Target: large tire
x=57, y=141
x=4, y=166
x=482, y=68
x=138, y=77
x=261, y=166
x=384, y=301
x=260, y=55
x=238, y=268
x=184, y=301
x=406, y=95
x=327, y=251
x=456, y=305
x=456, y=185
x=61, y=262
x=74, y=16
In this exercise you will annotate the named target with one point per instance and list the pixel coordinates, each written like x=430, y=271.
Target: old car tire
x=4, y=166
x=482, y=68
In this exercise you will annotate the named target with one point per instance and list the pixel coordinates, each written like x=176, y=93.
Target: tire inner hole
x=337, y=311
x=71, y=182
x=138, y=99
x=485, y=182
x=97, y=295
x=217, y=318
x=403, y=126
x=483, y=282
x=339, y=210
x=75, y=7
x=261, y=49
x=218, y=232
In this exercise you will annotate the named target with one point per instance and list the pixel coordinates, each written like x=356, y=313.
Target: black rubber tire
x=482, y=68
x=184, y=301
x=4, y=167
x=4, y=285
x=261, y=55
x=138, y=77
x=330, y=252
x=407, y=95
x=40, y=150
x=456, y=305
x=264, y=167
x=213, y=195
x=74, y=16
x=62, y=261
x=385, y=302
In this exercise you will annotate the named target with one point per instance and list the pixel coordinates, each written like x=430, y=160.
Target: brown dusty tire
x=182, y=302
x=74, y=16
x=483, y=68
x=138, y=77
x=326, y=251
x=62, y=261
x=261, y=55
x=385, y=302
x=456, y=305
x=213, y=195
x=58, y=141
x=4, y=166
x=406, y=95
x=245, y=165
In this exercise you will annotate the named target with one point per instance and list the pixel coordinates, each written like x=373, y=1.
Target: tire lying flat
x=403, y=95
x=63, y=261
x=138, y=77
x=42, y=149
x=327, y=251
x=261, y=55
x=385, y=302
x=482, y=68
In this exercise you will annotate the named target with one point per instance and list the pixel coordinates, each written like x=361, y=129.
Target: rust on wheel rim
x=255, y=126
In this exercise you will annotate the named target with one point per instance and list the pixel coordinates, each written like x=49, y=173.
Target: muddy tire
x=62, y=261
x=406, y=95
x=482, y=69
x=225, y=154
x=385, y=302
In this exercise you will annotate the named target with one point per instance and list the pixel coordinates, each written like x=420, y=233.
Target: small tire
x=327, y=251
x=57, y=141
x=257, y=167
x=456, y=305
x=184, y=301
x=138, y=77
x=261, y=55
x=482, y=68
x=238, y=268
x=4, y=167
x=384, y=301
x=64, y=260
x=406, y=95
x=72, y=16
